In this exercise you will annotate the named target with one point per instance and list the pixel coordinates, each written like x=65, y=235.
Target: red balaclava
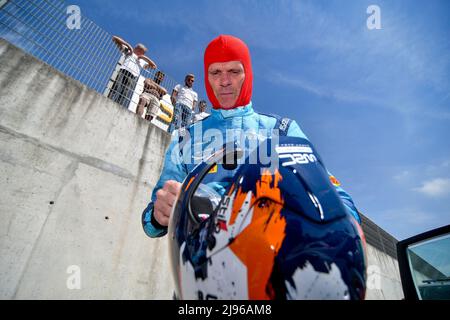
x=226, y=48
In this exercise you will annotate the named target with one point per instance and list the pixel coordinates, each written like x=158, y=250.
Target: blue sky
x=375, y=103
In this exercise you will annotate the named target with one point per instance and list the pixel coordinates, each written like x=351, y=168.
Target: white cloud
x=404, y=222
x=435, y=188
x=393, y=218
x=322, y=91
x=402, y=176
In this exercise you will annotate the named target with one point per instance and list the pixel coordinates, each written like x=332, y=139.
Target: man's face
x=139, y=51
x=189, y=81
x=226, y=79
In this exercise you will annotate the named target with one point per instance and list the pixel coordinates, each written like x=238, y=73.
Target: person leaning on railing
x=130, y=70
x=149, y=98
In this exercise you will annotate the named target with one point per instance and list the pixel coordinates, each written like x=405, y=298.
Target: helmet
x=265, y=233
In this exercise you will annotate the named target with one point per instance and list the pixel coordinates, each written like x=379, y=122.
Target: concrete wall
x=383, y=276
x=76, y=171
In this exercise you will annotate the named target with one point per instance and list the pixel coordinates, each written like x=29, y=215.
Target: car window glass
x=430, y=265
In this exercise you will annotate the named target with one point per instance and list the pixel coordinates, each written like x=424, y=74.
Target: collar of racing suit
x=236, y=112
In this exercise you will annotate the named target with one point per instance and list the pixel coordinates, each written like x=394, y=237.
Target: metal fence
x=52, y=31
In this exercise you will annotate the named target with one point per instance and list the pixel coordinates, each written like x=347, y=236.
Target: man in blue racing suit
x=228, y=81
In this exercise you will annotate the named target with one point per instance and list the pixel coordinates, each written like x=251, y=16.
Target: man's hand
x=122, y=44
x=165, y=200
x=150, y=63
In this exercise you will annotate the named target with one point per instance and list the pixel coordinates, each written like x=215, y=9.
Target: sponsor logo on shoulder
x=284, y=123
x=335, y=181
x=213, y=169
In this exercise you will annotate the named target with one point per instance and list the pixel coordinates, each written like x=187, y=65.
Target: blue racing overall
x=180, y=158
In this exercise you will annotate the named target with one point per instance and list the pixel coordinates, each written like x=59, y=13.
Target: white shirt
x=200, y=116
x=133, y=64
x=186, y=95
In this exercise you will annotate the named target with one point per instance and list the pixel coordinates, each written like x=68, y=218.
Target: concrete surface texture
x=76, y=171
x=383, y=276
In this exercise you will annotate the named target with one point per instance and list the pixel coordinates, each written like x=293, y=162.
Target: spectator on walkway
x=123, y=88
x=150, y=97
x=184, y=99
x=201, y=114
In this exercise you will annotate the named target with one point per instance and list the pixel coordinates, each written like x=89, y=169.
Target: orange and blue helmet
x=269, y=232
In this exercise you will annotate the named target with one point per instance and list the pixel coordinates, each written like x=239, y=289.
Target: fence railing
x=54, y=32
